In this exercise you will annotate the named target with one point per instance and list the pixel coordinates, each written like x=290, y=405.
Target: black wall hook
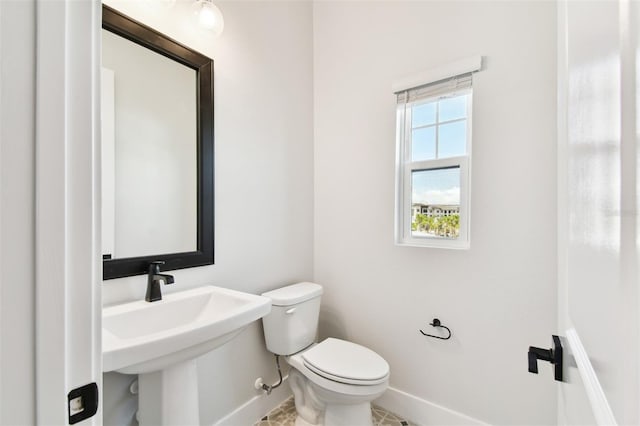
x=436, y=323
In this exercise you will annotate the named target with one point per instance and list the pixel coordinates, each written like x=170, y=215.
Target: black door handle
x=553, y=355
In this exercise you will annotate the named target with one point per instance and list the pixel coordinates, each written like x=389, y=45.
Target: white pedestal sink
x=160, y=340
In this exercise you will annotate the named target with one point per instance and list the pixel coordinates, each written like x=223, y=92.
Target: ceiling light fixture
x=209, y=16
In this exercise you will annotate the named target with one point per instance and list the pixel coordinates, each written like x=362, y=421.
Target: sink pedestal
x=169, y=397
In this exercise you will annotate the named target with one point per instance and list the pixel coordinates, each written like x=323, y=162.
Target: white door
x=67, y=225
x=598, y=211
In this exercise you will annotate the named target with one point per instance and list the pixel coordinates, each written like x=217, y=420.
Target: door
x=598, y=212
x=68, y=261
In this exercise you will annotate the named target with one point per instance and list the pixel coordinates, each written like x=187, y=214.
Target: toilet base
x=320, y=407
x=302, y=422
x=337, y=415
x=349, y=415
x=343, y=415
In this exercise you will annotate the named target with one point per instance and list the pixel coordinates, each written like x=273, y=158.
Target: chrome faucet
x=153, y=281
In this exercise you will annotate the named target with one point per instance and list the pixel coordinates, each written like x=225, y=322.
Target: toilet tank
x=293, y=321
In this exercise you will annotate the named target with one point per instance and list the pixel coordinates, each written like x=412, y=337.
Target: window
x=433, y=160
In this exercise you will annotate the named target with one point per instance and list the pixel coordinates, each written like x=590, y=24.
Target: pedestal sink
x=160, y=340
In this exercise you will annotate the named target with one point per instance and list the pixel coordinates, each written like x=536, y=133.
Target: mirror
x=157, y=150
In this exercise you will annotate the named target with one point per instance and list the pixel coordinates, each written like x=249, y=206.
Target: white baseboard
x=412, y=408
x=422, y=412
x=257, y=407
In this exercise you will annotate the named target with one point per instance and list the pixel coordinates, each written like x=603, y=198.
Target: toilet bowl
x=334, y=381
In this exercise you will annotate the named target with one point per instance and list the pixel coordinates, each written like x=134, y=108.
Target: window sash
x=405, y=232
x=407, y=120
x=405, y=167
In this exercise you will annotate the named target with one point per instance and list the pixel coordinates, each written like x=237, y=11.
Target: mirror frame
x=124, y=26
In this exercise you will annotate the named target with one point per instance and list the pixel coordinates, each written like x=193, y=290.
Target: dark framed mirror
x=158, y=150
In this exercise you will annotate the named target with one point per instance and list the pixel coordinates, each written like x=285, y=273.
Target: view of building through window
x=435, y=207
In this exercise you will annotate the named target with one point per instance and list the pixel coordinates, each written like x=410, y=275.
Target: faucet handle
x=154, y=267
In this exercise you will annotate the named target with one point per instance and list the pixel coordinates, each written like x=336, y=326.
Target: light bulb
x=209, y=16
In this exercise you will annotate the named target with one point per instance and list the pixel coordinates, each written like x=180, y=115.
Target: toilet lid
x=346, y=362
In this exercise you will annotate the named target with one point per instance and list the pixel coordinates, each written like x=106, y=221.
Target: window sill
x=434, y=243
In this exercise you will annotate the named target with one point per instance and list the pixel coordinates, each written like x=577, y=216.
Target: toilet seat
x=346, y=362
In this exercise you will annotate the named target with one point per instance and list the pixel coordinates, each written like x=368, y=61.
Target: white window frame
x=405, y=167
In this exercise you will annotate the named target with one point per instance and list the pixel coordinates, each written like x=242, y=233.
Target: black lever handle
x=536, y=354
x=553, y=355
x=154, y=267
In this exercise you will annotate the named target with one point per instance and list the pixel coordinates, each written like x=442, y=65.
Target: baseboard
x=410, y=407
x=254, y=409
x=422, y=412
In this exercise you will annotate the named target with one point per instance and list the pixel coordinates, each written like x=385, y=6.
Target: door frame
x=68, y=262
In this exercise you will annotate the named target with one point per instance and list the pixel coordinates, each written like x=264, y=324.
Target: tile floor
x=285, y=415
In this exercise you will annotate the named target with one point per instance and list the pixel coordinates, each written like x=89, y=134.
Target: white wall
x=17, y=212
x=499, y=297
x=263, y=183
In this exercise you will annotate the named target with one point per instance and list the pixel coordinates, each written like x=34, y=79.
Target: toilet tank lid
x=294, y=293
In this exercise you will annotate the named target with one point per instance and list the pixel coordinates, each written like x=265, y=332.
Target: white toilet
x=334, y=381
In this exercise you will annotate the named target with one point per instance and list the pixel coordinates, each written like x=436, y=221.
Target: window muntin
x=439, y=127
x=434, y=147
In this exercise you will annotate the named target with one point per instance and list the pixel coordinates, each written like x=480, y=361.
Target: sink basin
x=142, y=337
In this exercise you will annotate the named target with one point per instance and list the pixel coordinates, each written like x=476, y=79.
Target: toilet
x=334, y=381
